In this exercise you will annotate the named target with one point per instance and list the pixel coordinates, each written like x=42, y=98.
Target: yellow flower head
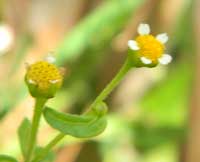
x=149, y=49
x=43, y=78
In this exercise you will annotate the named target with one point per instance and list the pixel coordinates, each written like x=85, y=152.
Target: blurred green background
x=149, y=112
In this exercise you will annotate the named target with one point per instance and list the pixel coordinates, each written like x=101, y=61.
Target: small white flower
x=133, y=45
x=150, y=49
x=163, y=38
x=145, y=60
x=165, y=59
x=143, y=29
x=50, y=58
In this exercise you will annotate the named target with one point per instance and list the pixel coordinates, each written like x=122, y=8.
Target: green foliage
x=164, y=110
x=24, y=42
x=6, y=158
x=81, y=126
x=23, y=135
x=167, y=152
x=148, y=137
x=167, y=103
x=9, y=100
x=107, y=20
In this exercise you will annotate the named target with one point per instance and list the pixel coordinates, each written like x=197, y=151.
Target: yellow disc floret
x=43, y=79
x=150, y=47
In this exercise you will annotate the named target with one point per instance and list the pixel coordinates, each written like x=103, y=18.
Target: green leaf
x=81, y=126
x=6, y=158
x=23, y=135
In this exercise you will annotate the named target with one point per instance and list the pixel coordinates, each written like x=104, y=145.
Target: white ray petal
x=133, y=45
x=165, y=59
x=31, y=81
x=163, y=38
x=50, y=59
x=54, y=81
x=145, y=60
x=143, y=29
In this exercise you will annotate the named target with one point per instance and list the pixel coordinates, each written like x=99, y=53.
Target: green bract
x=134, y=58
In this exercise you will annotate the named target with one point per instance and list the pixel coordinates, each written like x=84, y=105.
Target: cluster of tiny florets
x=43, y=74
x=150, y=47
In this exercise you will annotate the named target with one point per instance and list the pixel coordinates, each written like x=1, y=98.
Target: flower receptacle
x=135, y=60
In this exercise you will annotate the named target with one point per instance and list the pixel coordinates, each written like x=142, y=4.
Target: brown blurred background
x=153, y=114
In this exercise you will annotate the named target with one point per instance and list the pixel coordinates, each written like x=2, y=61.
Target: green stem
x=48, y=147
x=34, y=127
x=109, y=88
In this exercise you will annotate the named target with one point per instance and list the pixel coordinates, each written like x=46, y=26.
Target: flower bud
x=43, y=79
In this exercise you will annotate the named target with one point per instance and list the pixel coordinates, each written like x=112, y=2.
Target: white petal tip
x=54, y=81
x=31, y=81
x=143, y=29
x=165, y=59
x=133, y=45
x=145, y=60
x=50, y=59
x=163, y=38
